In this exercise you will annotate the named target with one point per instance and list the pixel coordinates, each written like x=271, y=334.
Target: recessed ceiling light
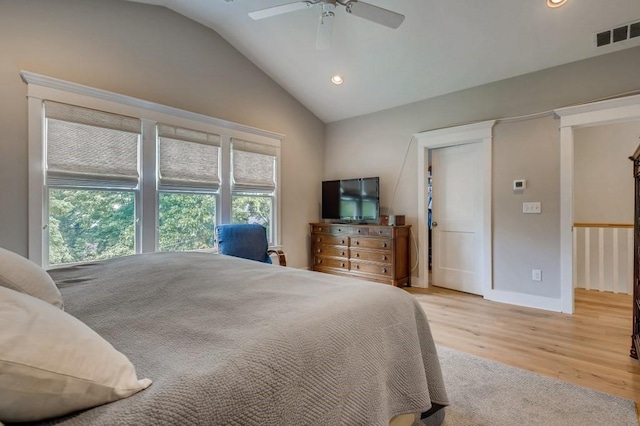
x=336, y=79
x=555, y=3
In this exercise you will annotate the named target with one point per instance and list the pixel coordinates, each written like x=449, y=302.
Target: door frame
x=587, y=115
x=481, y=132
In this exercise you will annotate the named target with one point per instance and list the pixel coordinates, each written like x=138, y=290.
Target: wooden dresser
x=371, y=252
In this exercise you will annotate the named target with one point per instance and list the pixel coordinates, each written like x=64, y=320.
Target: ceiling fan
x=325, y=28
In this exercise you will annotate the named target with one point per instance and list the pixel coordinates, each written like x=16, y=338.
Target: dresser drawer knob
x=319, y=250
x=341, y=253
x=339, y=229
x=357, y=243
x=319, y=261
x=384, y=270
x=359, y=231
x=384, y=244
x=319, y=239
x=384, y=257
x=380, y=231
x=357, y=254
x=342, y=264
x=357, y=266
x=341, y=241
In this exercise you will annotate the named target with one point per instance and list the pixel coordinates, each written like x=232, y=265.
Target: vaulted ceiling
x=441, y=47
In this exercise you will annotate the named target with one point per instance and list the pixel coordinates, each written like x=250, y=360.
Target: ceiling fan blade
x=325, y=30
x=374, y=13
x=279, y=10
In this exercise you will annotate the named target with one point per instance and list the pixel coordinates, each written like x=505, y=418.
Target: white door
x=457, y=217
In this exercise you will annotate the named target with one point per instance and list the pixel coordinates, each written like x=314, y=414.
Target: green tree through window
x=90, y=225
x=187, y=221
x=253, y=209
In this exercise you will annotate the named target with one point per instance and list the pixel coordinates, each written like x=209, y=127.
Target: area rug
x=487, y=393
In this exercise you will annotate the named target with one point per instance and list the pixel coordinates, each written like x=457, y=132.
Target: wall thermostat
x=519, y=185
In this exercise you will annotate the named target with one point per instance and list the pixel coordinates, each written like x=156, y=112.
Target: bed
x=228, y=341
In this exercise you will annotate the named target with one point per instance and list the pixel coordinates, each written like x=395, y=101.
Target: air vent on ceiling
x=618, y=34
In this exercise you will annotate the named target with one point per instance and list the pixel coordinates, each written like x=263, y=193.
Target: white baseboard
x=527, y=300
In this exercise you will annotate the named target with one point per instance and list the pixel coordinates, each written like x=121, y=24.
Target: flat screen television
x=351, y=200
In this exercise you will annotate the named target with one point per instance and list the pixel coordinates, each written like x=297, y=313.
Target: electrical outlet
x=536, y=275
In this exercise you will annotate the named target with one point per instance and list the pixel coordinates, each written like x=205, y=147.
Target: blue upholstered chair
x=248, y=241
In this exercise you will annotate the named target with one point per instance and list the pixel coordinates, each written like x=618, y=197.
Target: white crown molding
x=458, y=135
x=598, y=106
x=601, y=112
x=38, y=80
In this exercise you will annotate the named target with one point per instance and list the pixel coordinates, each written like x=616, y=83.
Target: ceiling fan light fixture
x=337, y=79
x=556, y=3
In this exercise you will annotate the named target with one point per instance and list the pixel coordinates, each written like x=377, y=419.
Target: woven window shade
x=253, y=167
x=188, y=158
x=89, y=145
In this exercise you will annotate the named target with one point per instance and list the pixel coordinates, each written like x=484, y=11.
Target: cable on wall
x=395, y=188
x=393, y=198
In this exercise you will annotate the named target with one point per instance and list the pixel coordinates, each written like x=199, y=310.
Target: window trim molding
x=38, y=85
x=41, y=88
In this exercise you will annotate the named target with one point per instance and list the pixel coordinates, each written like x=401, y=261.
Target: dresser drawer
x=335, y=251
x=371, y=268
x=331, y=229
x=330, y=239
x=382, y=232
x=360, y=231
x=328, y=262
x=371, y=256
x=374, y=243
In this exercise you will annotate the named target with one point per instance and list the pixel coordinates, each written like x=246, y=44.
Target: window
x=188, y=188
x=254, y=183
x=92, y=179
x=111, y=175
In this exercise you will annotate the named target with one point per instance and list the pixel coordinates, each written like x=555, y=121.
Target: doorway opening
x=603, y=207
x=480, y=133
x=572, y=118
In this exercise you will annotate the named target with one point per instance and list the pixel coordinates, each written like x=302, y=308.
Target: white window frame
x=41, y=88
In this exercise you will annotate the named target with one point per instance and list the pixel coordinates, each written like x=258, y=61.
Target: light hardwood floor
x=589, y=348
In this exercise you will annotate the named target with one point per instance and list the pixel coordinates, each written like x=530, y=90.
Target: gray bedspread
x=229, y=341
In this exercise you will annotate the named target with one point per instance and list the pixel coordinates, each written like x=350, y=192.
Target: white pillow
x=53, y=364
x=21, y=274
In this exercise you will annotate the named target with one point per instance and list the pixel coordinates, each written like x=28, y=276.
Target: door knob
x=434, y=224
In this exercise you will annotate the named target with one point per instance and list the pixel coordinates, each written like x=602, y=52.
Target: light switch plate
x=532, y=207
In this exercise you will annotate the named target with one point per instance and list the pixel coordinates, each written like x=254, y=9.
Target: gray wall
x=522, y=149
x=522, y=242
x=603, y=174
x=154, y=54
